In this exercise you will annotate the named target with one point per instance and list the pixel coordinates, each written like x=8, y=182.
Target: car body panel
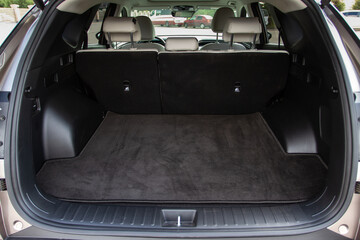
x=39, y=233
x=164, y=18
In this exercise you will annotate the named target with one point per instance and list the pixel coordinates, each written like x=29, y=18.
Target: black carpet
x=184, y=158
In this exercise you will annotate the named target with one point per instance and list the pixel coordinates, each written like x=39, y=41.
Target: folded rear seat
x=222, y=82
x=124, y=81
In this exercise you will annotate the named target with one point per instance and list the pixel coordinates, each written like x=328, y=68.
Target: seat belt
x=279, y=38
x=277, y=24
x=85, y=44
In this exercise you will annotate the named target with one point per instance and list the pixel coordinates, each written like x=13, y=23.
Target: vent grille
x=3, y=185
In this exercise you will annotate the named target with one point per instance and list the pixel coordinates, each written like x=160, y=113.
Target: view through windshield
x=199, y=25
x=166, y=25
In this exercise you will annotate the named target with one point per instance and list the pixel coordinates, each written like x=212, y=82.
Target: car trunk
x=184, y=158
x=111, y=140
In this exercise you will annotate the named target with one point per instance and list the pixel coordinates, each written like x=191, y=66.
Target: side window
x=123, y=12
x=199, y=18
x=270, y=21
x=95, y=26
x=243, y=12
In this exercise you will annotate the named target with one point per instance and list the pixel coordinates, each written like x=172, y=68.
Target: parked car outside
x=163, y=17
x=201, y=21
x=353, y=18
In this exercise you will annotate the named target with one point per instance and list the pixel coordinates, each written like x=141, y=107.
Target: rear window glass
x=199, y=25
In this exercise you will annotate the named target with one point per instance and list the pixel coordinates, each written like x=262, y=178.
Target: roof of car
x=80, y=6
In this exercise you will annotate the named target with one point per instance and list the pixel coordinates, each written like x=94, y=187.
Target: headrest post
x=217, y=38
x=254, y=42
x=132, y=40
x=109, y=37
x=231, y=41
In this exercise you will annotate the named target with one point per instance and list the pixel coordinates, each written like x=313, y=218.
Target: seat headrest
x=119, y=29
x=146, y=28
x=181, y=44
x=242, y=29
x=220, y=18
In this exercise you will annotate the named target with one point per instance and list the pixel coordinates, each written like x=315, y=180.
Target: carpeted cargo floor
x=184, y=158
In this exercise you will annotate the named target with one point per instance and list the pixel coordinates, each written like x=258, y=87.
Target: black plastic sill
x=35, y=233
x=150, y=216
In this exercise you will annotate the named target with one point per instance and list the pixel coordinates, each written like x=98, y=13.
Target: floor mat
x=184, y=158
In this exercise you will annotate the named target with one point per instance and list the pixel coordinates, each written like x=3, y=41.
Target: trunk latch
x=126, y=86
x=179, y=217
x=237, y=87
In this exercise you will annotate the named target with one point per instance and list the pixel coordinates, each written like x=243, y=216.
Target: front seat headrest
x=220, y=18
x=181, y=44
x=242, y=29
x=146, y=28
x=121, y=29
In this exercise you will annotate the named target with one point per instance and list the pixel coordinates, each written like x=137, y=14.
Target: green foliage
x=21, y=3
x=339, y=4
x=356, y=5
x=209, y=12
x=4, y=3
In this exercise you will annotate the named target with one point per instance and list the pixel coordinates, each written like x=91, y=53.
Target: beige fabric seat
x=147, y=34
x=181, y=44
x=217, y=25
x=124, y=29
x=221, y=82
x=241, y=30
x=122, y=80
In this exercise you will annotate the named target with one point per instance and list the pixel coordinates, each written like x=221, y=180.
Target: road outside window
x=353, y=19
x=11, y=13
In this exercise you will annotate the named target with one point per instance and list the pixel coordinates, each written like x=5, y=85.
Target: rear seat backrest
x=181, y=44
x=221, y=82
x=124, y=81
x=242, y=30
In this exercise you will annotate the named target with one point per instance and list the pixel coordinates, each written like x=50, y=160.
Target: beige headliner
x=80, y=6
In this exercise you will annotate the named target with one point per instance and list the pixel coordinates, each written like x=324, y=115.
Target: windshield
x=199, y=25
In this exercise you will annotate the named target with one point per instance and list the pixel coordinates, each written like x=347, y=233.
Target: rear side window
x=270, y=21
x=96, y=24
